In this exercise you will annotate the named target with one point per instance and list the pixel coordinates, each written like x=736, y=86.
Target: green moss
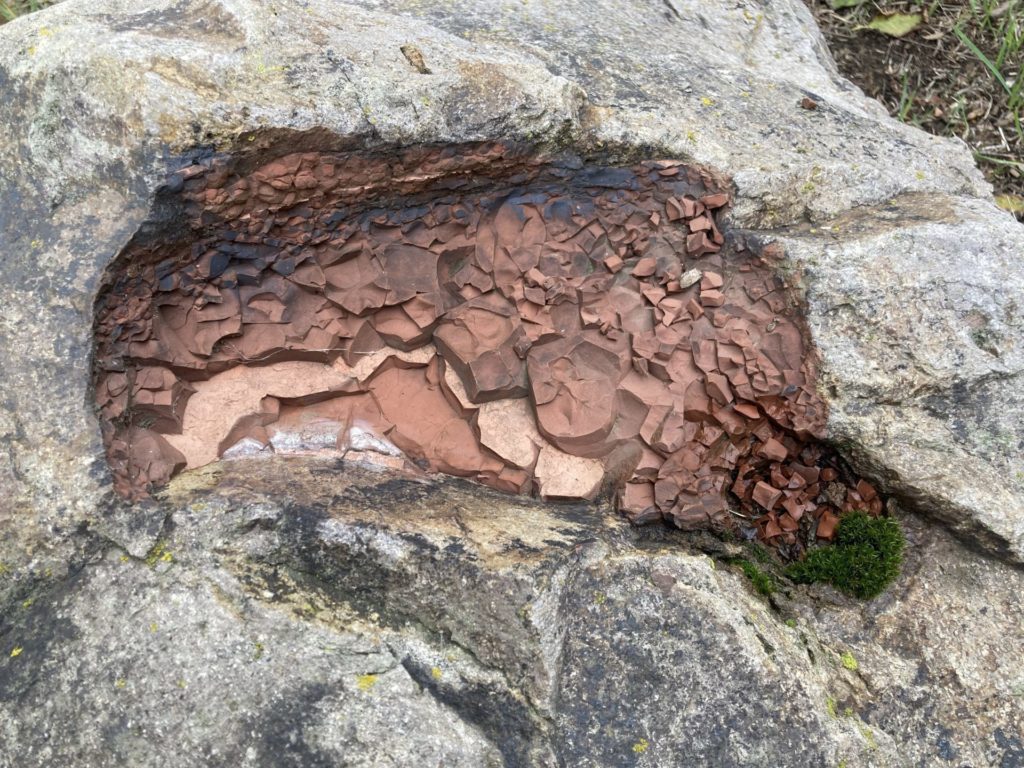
x=863, y=561
x=762, y=582
x=849, y=662
x=760, y=553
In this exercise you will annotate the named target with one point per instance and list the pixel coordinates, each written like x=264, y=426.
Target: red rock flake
x=541, y=325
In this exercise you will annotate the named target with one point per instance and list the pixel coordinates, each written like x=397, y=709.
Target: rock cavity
x=539, y=324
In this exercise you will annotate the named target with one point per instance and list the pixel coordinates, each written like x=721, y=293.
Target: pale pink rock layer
x=537, y=324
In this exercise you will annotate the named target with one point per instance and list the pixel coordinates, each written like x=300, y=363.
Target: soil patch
x=942, y=75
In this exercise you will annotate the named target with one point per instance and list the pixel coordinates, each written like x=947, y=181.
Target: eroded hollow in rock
x=539, y=324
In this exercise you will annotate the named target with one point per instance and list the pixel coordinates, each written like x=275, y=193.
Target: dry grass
x=958, y=73
x=12, y=9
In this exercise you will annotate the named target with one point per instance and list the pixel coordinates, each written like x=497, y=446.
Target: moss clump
x=762, y=582
x=863, y=561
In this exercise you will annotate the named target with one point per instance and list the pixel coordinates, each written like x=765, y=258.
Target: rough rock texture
x=285, y=613
x=913, y=285
x=920, y=359
x=652, y=354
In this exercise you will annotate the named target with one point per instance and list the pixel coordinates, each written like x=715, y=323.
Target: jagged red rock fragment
x=542, y=325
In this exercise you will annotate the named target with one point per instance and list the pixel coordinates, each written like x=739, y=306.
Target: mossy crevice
x=863, y=561
x=762, y=582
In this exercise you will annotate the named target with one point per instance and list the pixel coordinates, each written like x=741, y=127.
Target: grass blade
x=983, y=58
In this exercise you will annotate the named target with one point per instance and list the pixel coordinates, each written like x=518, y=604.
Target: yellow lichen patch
x=641, y=746
x=869, y=737
x=435, y=672
x=366, y=682
x=159, y=554
x=16, y=652
x=120, y=683
x=849, y=662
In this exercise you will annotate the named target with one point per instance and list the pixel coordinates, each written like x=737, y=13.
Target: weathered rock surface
x=296, y=619
x=910, y=275
x=289, y=612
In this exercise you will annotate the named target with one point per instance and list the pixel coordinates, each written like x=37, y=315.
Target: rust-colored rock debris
x=539, y=325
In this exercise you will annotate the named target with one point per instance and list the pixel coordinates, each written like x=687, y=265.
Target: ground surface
x=932, y=79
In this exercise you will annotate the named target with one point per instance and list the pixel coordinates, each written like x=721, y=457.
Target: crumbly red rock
x=408, y=303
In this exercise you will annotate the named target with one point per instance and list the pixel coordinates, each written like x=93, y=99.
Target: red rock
x=718, y=388
x=711, y=281
x=637, y=501
x=437, y=434
x=772, y=450
x=827, y=525
x=865, y=490
x=794, y=508
x=288, y=276
x=479, y=340
x=712, y=298
x=573, y=383
x=564, y=476
x=809, y=474
x=699, y=223
x=747, y=410
x=715, y=201
x=645, y=267
x=766, y=495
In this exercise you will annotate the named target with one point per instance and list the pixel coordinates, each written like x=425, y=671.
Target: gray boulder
x=293, y=614
x=911, y=274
